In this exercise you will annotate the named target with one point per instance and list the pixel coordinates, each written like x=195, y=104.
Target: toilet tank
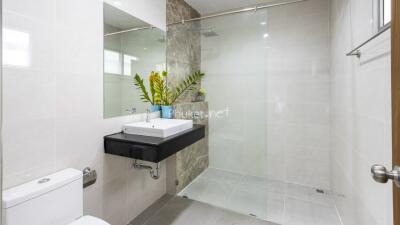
x=56, y=199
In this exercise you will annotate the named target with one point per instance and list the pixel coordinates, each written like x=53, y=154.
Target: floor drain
x=320, y=191
x=185, y=197
x=251, y=214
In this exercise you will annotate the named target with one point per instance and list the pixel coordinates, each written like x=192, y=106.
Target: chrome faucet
x=147, y=115
x=131, y=111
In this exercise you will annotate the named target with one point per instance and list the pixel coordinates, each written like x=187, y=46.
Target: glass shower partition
x=267, y=82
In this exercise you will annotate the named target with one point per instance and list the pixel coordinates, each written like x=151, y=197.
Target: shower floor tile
x=270, y=200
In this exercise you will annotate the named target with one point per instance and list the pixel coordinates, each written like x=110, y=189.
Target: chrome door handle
x=381, y=175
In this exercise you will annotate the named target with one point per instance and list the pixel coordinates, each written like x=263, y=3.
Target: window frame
x=120, y=62
x=381, y=15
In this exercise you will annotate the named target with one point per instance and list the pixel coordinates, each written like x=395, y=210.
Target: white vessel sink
x=158, y=127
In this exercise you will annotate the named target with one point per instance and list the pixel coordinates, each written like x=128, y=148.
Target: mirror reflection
x=131, y=47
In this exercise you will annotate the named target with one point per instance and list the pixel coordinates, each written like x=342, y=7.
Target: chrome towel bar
x=356, y=51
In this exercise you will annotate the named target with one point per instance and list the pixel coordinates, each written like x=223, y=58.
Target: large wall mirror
x=131, y=46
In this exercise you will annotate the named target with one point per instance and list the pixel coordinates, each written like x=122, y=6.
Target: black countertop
x=153, y=149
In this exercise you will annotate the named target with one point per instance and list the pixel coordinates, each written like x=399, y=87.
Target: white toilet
x=56, y=199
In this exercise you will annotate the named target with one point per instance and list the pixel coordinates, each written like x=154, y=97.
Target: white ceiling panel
x=120, y=19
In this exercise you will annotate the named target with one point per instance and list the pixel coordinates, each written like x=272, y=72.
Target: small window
x=385, y=13
x=128, y=59
x=112, y=62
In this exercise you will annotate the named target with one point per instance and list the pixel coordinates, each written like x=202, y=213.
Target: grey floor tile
x=210, y=191
x=263, y=204
x=309, y=194
x=232, y=218
x=151, y=211
x=299, y=212
x=269, y=200
x=180, y=211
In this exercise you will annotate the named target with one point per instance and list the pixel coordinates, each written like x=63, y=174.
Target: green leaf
x=187, y=84
x=139, y=83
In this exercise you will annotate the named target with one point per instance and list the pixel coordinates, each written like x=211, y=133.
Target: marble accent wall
x=183, y=44
x=190, y=162
x=186, y=165
x=183, y=58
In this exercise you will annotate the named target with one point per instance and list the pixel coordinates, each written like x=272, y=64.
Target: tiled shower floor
x=274, y=201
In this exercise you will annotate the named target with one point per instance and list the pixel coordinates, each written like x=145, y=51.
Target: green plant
x=156, y=93
x=187, y=84
x=154, y=79
x=162, y=89
x=139, y=83
x=159, y=90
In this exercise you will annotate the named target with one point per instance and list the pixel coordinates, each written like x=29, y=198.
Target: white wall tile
x=28, y=93
x=53, y=108
x=277, y=90
x=360, y=114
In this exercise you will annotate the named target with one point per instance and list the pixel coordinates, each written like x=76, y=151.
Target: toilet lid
x=89, y=220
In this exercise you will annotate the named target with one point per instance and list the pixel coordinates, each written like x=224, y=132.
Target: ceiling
x=120, y=19
x=205, y=7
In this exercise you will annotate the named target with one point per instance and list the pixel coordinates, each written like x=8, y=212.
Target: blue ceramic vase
x=166, y=111
x=155, y=108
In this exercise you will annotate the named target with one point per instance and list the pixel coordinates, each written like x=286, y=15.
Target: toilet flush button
x=44, y=180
